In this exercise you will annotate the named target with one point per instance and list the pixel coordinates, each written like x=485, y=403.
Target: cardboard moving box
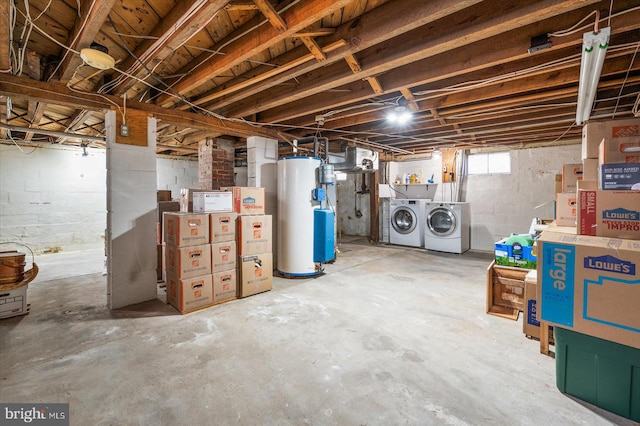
x=186, y=199
x=590, y=285
x=225, y=286
x=163, y=195
x=255, y=274
x=531, y=323
x=571, y=174
x=566, y=209
x=186, y=229
x=590, y=169
x=620, y=176
x=186, y=262
x=223, y=256
x=613, y=214
x=247, y=200
x=14, y=302
x=163, y=207
x=619, y=150
x=222, y=227
x=190, y=294
x=213, y=202
x=594, y=131
x=254, y=234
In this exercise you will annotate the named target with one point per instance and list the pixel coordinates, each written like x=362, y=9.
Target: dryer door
x=404, y=220
x=441, y=222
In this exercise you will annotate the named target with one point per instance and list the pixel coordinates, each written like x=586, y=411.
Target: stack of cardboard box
x=164, y=205
x=254, y=241
x=222, y=235
x=188, y=261
x=566, y=203
x=608, y=201
x=589, y=273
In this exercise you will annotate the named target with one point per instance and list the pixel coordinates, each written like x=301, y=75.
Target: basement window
x=489, y=163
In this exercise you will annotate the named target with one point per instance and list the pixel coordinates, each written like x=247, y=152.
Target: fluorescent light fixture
x=594, y=49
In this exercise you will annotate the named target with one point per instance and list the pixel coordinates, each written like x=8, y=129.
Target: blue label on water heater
x=319, y=194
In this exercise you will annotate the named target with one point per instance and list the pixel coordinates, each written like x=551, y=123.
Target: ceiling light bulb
x=404, y=117
x=97, y=59
x=392, y=117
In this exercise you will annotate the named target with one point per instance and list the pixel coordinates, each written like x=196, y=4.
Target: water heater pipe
x=316, y=145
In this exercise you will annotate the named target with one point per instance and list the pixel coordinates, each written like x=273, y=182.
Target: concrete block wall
x=53, y=198
x=131, y=217
x=177, y=173
x=216, y=158
x=262, y=172
x=349, y=203
x=502, y=204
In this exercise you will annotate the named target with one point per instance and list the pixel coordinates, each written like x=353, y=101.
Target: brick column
x=215, y=163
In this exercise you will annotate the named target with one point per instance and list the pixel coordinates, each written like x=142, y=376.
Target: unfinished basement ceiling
x=333, y=68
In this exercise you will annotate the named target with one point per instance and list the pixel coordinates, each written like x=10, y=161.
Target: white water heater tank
x=296, y=182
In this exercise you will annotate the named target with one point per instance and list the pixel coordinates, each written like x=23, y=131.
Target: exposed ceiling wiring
x=469, y=85
x=458, y=87
x=564, y=33
x=626, y=76
x=75, y=39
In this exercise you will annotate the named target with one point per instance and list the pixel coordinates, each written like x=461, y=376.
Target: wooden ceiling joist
x=298, y=17
x=87, y=26
x=5, y=32
x=183, y=21
x=61, y=95
x=381, y=24
x=443, y=37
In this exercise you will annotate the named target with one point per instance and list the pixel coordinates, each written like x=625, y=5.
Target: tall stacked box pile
x=188, y=261
x=164, y=205
x=589, y=275
x=254, y=241
x=222, y=235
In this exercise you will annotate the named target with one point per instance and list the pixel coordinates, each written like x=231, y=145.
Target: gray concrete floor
x=386, y=336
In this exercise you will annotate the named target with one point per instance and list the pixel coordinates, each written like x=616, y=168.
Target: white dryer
x=407, y=219
x=447, y=226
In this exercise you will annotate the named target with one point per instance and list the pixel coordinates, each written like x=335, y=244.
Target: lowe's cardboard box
x=255, y=274
x=187, y=262
x=613, y=214
x=594, y=131
x=224, y=286
x=590, y=285
x=254, y=234
x=530, y=322
x=222, y=227
x=186, y=229
x=189, y=294
x=223, y=256
x=247, y=200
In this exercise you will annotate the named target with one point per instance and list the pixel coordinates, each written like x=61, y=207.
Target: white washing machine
x=447, y=226
x=407, y=219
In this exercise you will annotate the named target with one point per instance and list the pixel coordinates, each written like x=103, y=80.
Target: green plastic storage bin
x=600, y=372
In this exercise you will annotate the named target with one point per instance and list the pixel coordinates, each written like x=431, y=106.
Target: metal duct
x=358, y=160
